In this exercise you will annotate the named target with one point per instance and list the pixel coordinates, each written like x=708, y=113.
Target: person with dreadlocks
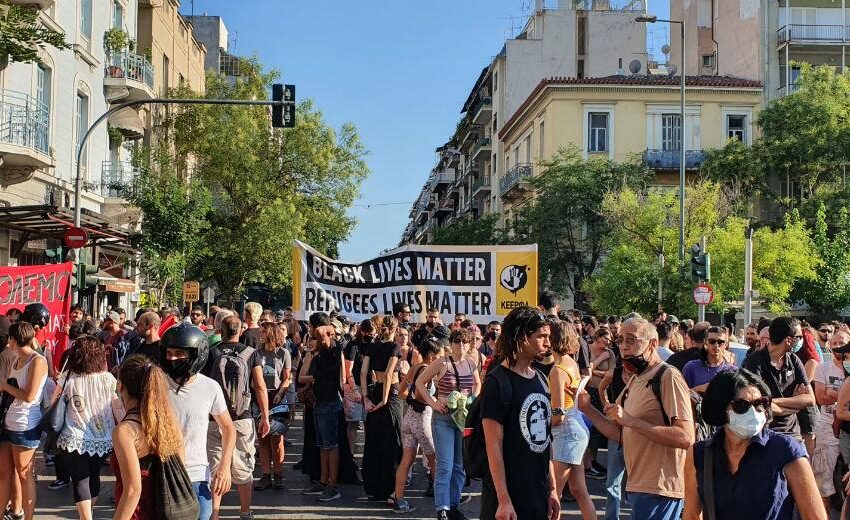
x=517, y=435
x=195, y=397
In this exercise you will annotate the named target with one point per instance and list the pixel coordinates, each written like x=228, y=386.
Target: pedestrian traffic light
x=83, y=275
x=700, y=265
x=54, y=255
x=283, y=115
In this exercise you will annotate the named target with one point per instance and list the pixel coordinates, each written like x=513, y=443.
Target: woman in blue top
x=747, y=471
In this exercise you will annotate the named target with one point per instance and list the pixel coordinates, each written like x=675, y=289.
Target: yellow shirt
x=575, y=377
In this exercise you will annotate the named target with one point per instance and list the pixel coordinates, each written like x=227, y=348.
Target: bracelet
x=558, y=411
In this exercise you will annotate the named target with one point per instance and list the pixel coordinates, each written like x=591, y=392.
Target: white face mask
x=748, y=424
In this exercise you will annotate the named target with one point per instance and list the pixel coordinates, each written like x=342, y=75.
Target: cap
x=672, y=319
x=112, y=315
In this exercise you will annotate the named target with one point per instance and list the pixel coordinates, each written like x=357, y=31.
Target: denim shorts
x=326, y=416
x=29, y=439
x=569, y=440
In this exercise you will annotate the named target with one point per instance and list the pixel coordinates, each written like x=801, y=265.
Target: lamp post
x=653, y=19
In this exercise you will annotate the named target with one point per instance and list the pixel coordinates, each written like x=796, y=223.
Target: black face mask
x=178, y=369
x=636, y=364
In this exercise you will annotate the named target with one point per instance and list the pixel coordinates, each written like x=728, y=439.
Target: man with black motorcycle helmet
x=195, y=397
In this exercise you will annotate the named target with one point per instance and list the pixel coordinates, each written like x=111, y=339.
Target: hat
x=112, y=315
x=672, y=319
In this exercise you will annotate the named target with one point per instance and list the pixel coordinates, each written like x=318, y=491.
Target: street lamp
x=652, y=19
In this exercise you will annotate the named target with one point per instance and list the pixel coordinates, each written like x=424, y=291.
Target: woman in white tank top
x=21, y=432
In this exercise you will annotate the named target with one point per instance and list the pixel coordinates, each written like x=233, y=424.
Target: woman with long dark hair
x=379, y=378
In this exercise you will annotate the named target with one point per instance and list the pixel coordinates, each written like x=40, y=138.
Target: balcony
x=441, y=178
x=470, y=135
x=671, y=159
x=482, y=149
x=797, y=33
x=116, y=177
x=514, y=185
x=128, y=77
x=447, y=205
x=24, y=137
x=483, y=110
x=481, y=186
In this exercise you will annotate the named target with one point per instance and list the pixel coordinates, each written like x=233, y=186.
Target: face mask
x=797, y=346
x=178, y=369
x=748, y=424
x=636, y=364
x=846, y=366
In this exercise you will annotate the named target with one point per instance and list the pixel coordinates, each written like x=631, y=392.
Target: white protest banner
x=483, y=282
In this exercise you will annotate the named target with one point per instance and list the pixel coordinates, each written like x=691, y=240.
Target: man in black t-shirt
x=147, y=328
x=784, y=375
x=517, y=435
x=683, y=357
x=251, y=336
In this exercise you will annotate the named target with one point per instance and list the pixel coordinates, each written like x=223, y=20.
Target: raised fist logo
x=514, y=277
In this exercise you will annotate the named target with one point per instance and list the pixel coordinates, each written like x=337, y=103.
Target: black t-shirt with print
x=525, y=445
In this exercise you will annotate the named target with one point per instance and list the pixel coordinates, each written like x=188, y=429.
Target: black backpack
x=702, y=430
x=474, y=446
x=175, y=497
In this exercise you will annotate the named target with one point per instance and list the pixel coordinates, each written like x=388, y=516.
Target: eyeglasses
x=739, y=405
x=631, y=340
x=716, y=342
x=197, y=314
x=826, y=331
x=406, y=312
x=796, y=337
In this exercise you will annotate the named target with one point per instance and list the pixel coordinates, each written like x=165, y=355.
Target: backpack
x=175, y=497
x=475, y=462
x=702, y=430
x=232, y=373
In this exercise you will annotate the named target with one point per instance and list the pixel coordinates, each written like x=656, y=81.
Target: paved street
x=289, y=504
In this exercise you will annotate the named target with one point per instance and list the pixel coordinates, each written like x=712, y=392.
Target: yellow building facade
x=622, y=116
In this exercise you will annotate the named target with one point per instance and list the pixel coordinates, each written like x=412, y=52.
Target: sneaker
x=9, y=515
x=246, y=516
x=599, y=467
x=455, y=514
x=443, y=514
x=277, y=481
x=264, y=483
x=430, y=491
x=464, y=498
x=49, y=460
x=316, y=489
x=402, y=506
x=591, y=472
x=58, y=484
x=329, y=494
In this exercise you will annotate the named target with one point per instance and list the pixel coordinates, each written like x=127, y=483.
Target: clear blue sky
x=399, y=70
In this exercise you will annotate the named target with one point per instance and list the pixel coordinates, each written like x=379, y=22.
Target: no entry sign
x=703, y=294
x=75, y=237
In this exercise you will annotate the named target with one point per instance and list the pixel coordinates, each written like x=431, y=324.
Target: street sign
x=191, y=291
x=703, y=294
x=75, y=237
x=209, y=294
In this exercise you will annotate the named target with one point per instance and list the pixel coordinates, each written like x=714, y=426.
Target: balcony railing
x=817, y=33
x=481, y=112
x=637, y=6
x=481, y=183
x=481, y=146
x=129, y=66
x=444, y=177
x=24, y=121
x=671, y=159
x=229, y=65
x=786, y=90
x=116, y=177
x=518, y=174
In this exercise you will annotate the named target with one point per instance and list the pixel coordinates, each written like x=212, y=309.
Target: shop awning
x=46, y=221
x=112, y=283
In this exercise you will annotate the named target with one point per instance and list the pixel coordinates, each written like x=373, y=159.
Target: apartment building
x=762, y=39
x=212, y=31
x=572, y=38
x=619, y=117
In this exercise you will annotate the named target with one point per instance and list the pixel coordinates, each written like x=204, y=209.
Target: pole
x=748, y=278
x=701, y=314
x=661, y=281
x=682, y=161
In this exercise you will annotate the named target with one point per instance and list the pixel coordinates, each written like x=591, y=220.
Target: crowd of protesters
x=679, y=419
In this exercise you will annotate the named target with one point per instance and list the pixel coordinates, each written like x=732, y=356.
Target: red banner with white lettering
x=48, y=284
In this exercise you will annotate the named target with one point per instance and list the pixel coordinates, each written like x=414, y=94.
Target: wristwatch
x=559, y=411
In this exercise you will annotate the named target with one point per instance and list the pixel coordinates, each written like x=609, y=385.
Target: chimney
x=620, y=71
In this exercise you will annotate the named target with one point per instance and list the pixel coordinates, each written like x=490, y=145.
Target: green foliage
x=269, y=187
x=115, y=39
x=481, y=231
x=627, y=282
x=565, y=218
x=22, y=34
x=829, y=291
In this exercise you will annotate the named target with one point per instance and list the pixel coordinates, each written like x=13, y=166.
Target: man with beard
x=751, y=337
x=825, y=331
x=432, y=321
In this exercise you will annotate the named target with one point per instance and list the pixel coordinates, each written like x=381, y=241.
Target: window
x=708, y=61
x=516, y=155
x=166, y=68
x=495, y=119
x=671, y=132
x=82, y=120
x=581, y=35
x=118, y=15
x=598, y=132
x=528, y=149
x=42, y=88
x=495, y=81
x=540, y=144
x=580, y=69
x=85, y=17
x=735, y=127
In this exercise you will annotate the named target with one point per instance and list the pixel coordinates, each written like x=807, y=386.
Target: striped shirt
x=449, y=382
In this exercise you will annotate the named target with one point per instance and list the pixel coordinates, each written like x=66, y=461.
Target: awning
x=46, y=221
x=128, y=120
x=113, y=283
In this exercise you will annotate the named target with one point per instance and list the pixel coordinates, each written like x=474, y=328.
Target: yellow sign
x=516, y=283
x=191, y=291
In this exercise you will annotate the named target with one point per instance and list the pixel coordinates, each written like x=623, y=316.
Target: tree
x=565, y=218
x=269, y=187
x=480, y=231
x=829, y=291
x=22, y=34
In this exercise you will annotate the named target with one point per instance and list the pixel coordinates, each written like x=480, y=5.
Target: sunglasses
x=739, y=405
x=716, y=342
x=826, y=331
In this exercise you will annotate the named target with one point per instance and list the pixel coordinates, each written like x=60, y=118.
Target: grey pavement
x=290, y=503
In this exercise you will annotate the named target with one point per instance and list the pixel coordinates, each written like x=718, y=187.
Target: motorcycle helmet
x=279, y=419
x=190, y=338
x=36, y=314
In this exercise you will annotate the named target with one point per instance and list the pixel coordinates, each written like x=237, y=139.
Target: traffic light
x=54, y=255
x=700, y=265
x=283, y=116
x=83, y=275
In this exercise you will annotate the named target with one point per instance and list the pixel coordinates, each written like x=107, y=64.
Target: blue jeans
x=326, y=417
x=448, y=448
x=655, y=507
x=614, y=480
x=202, y=489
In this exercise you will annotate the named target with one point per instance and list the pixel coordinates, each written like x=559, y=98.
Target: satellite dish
x=665, y=49
x=672, y=69
x=634, y=66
